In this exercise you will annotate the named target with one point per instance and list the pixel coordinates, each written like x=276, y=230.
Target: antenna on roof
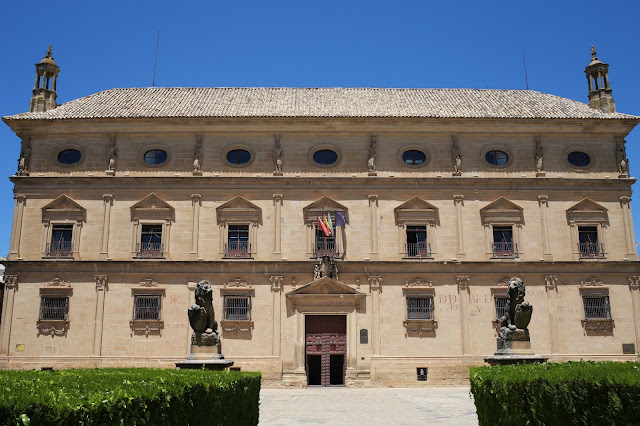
x=153, y=82
x=524, y=62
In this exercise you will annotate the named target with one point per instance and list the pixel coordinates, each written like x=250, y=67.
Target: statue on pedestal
x=202, y=317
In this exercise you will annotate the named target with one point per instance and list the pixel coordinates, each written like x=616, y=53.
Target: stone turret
x=44, y=90
x=600, y=97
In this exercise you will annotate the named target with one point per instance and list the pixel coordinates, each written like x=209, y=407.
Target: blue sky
x=454, y=44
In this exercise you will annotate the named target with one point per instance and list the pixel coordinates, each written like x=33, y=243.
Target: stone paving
x=380, y=406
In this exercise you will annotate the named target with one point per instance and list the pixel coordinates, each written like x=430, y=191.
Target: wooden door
x=326, y=349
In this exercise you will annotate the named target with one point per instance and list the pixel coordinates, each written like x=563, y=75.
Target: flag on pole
x=333, y=231
x=339, y=219
x=323, y=227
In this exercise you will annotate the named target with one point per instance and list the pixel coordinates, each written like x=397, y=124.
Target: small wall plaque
x=628, y=348
x=19, y=348
x=364, y=336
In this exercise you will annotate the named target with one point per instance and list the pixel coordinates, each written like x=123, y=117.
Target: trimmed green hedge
x=572, y=393
x=129, y=396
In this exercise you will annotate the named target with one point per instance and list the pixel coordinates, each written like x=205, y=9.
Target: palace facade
x=359, y=237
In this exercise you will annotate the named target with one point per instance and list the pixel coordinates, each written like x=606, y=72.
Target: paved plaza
x=380, y=406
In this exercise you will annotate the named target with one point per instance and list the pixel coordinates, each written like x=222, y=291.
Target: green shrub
x=572, y=393
x=130, y=397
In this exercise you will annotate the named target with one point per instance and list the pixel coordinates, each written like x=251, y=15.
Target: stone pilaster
x=276, y=290
x=277, y=240
x=625, y=205
x=375, y=287
x=463, y=295
x=106, y=224
x=101, y=287
x=196, y=202
x=10, y=287
x=458, y=201
x=373, y=208
x=16, y=230
x=551, y=284
x=634, y=288
x=543, y=202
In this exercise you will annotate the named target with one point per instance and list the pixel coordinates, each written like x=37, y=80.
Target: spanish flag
x=323, y=227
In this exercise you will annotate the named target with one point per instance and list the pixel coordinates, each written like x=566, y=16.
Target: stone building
x=352, y=236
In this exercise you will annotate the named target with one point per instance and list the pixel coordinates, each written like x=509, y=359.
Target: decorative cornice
x=463, y=282
x=102, y=282
x=551, y=282
x=276, y=282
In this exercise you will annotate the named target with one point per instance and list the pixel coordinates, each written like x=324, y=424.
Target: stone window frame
x=320, y=147
x=414, y=147
x=233, y=328
x=163, y=214
x=234, y=146
x=238, y=211
x=59, y=148
x=597, y=217
x=62, y=211
x=148, y=287
x=310, y=217
x=596, y=326
x=416, y=212
x=55, y=289
x=422, y=327
x=498, y=292
x=571, y=148
x=145, y=148
x=507, y=150
x=506, y=214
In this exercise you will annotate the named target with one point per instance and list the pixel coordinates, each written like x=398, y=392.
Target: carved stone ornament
x=418, y=282
x=102, y=282
x=373, y=152
x=25, y=156
x=516, y=319
x=149, y=282
x=539, y=154
x=634, y=282
x=53, y=328
x=503, y=282
x=113, y=154
x=293, y=282
x=237, y=283
x=277, y=155
x=276, y=282
x=551, y=282
x=463, y=282
x=591, y=282
x=10, y=281
x=146, y=327
x=326, y=267
x=598, y=325
x=358, y=283
x=375, y=282
x=202, y=317
x=57, y=282
x=197, y=156
x=456, y=157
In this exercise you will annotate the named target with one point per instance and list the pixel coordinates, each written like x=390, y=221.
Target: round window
x=579, y=159
x=69, y=156
x=155, y=156
x=238, y=156
x=413, y=157
x=325, y=157
x=496, y=158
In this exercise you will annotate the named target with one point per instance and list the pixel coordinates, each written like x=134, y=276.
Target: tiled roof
x=166, y=102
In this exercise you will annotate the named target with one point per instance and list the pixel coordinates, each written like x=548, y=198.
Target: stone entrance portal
x=325, y=349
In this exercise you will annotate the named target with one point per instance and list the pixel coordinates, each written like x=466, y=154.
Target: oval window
x=238, y=156
x=155, y=156
x=579, y=159
x=69, y=156
x=325, y=157
x=496, y=158
x=413, y=157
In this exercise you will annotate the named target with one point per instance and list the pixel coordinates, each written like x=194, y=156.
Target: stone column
x=458, y=202
x=373, y=206
x=299, y=348
x=196, y=201
x=277, y=241
x=276, y=290
x=625, y=204
x=634, y=288
x=10, y=286
x=463, y=295
x=101, y=288
x=543, y=202
x=352, y=344
x=551, y=284
x=16, y=231
x=375, y=288
x=106, y=224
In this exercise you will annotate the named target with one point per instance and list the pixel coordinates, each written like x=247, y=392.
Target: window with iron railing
x=596, y=307
x=420, y=308
x=61, y=241
x=588, y=245
x=237, y=308
x=417, y=245
x=237, y=244
x=150, y=244
x=503, y=244
x=54, y=308
x=325, y=245
x=146, y=307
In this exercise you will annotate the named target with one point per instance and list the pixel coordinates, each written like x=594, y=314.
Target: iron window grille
x=237, y=308
x=501, y=306
x=420, y=308
x=146, y=307
x=54, y=308
x=596, y=307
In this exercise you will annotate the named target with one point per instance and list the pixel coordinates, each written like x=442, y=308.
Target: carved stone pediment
x=418, y=282
x=587, y=210
x=65, y=208
x=592, y=282
x=324, y=204
x=326, y=292
x=239, y=210
x=415, y=211
x=152, y=207
x=502, y=211
x=57, y=282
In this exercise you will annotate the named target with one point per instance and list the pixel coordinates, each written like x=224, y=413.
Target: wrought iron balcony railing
x=326, y=248
x=503, y=249
x=59, y=249
x=237, y=249
x=418, y=250
x=591, y=250
x=150, y=250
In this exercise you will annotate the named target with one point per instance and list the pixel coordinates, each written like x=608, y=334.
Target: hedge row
x=129, y=396
x=572, y=393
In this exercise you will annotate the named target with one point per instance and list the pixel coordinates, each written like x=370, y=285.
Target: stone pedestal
x=516, y=350
x=210, y=364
